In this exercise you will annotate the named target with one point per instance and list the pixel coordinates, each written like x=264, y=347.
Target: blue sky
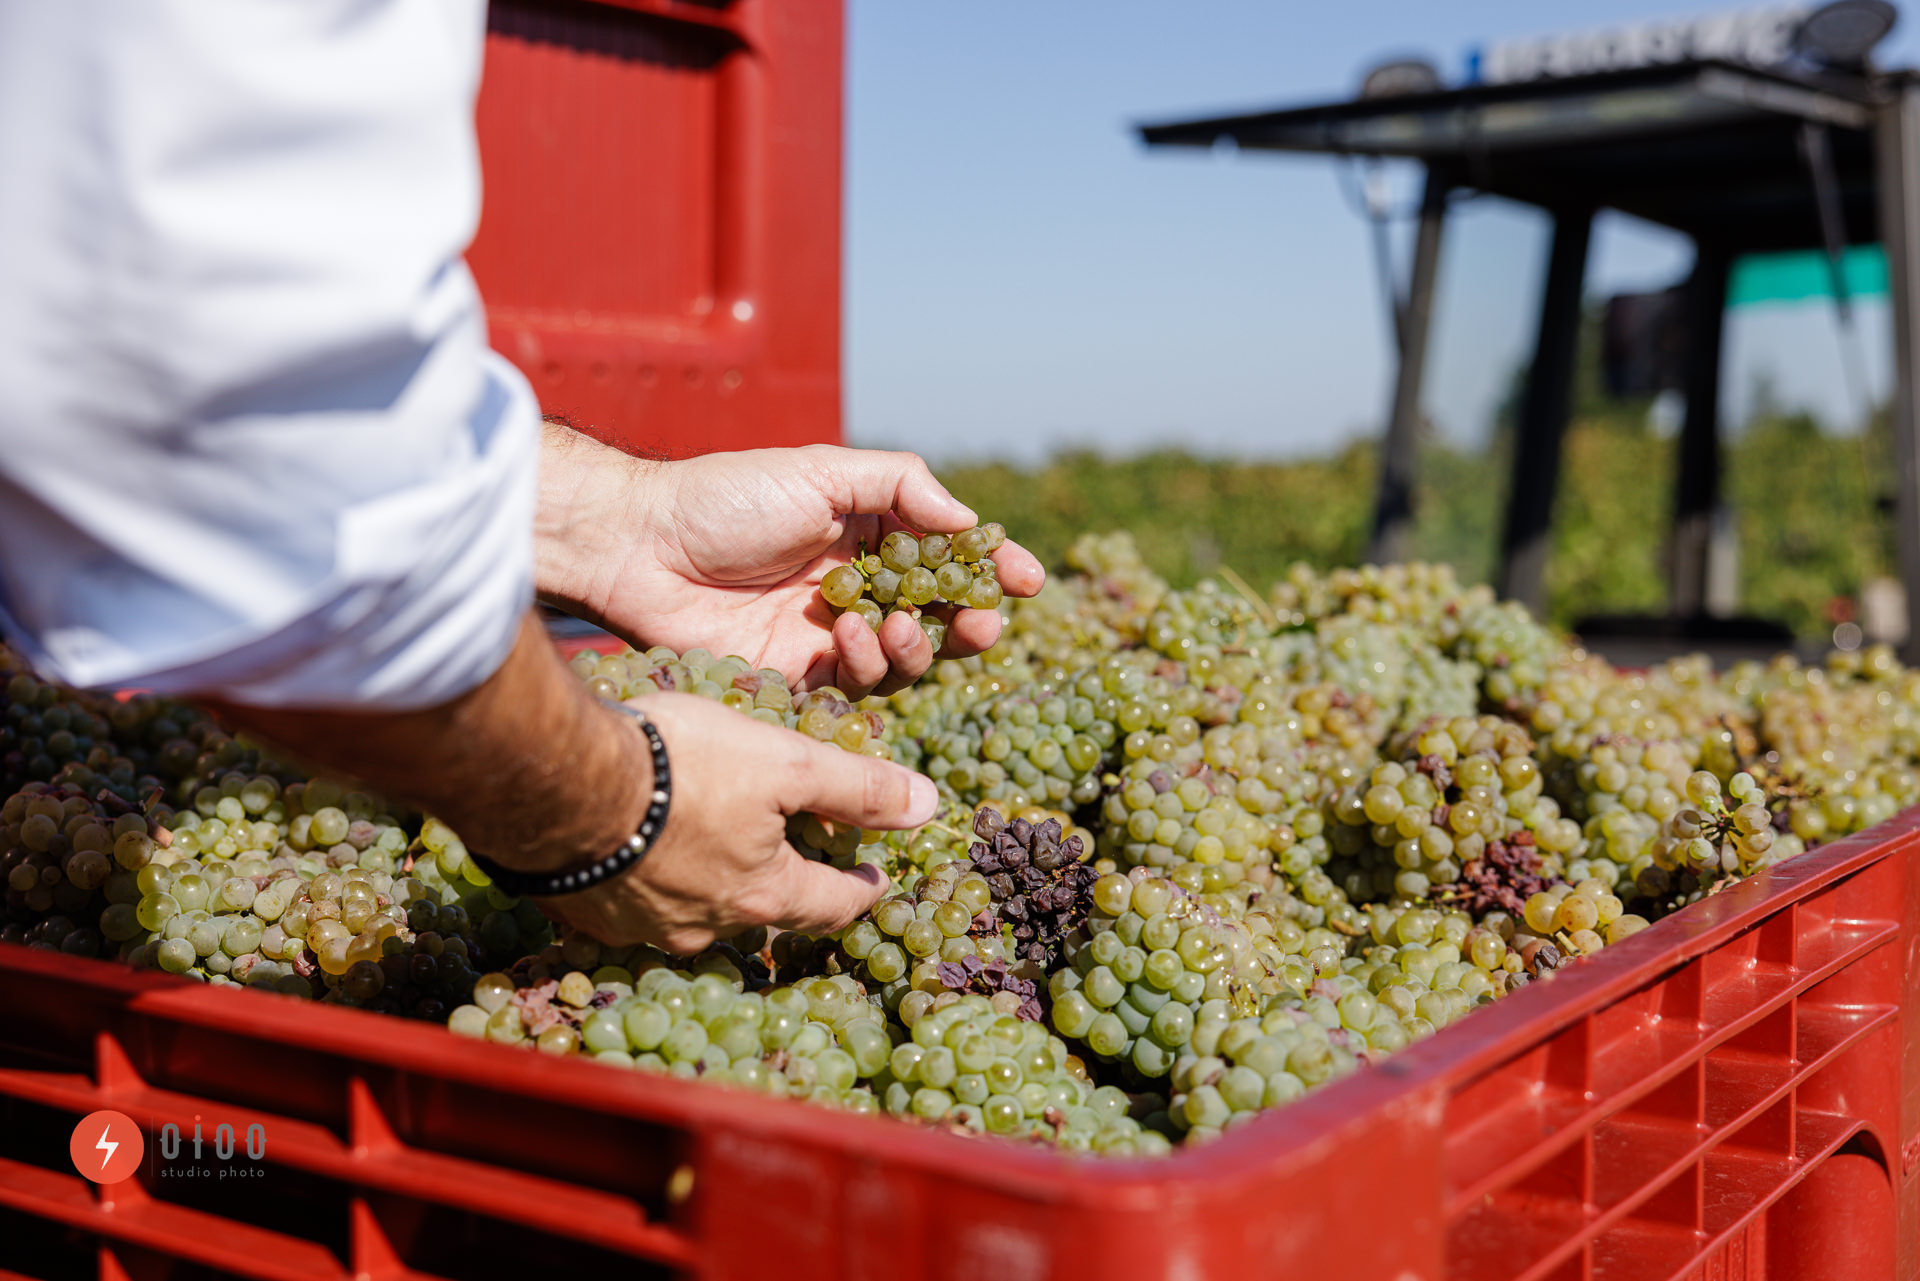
x=1022, y=276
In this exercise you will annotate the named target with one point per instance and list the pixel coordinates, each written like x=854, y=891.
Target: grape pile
x=813, y=1041
x=175, y=847
x=1199, y=851
x=909, y=574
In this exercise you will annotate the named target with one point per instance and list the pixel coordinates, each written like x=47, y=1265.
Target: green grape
x=900, y=552
x=918, y=586
x=156, y=909
x=175, y=956
x=984, y=593
x=936, y=550
x=842, y=586
x=952, y=581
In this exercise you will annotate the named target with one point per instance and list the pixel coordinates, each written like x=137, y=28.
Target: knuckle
x=803, y=761
x=759, y=907
x=686, y=939
x=845, y=914
x=821, y=464
x=826, y=922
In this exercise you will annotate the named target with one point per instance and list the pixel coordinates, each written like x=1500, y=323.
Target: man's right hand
x=728, y=551
x=722, y=863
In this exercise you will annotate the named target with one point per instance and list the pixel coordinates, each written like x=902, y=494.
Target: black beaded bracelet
x=630, y=852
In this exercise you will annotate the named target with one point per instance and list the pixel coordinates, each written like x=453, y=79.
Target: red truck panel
x=659, y=243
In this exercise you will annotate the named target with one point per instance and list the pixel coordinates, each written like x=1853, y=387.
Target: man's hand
x=727, y=551
x=533, y=772
x=722, y=863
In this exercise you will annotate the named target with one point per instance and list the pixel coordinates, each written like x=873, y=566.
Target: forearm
x=526, y=767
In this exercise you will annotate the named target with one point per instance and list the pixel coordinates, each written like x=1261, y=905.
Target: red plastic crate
x=659, y=243
x=1734, y=1093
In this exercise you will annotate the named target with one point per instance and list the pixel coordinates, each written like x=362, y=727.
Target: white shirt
x=252, y=440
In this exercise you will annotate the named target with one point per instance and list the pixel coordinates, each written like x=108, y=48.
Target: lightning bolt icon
x=106, y=1145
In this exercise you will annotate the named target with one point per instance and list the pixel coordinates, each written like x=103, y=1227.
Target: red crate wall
x=659, y=244
x=1729, y=1096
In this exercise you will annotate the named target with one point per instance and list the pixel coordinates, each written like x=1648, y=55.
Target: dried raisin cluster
x=1041, y=889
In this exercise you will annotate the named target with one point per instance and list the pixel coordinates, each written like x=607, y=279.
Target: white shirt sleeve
x=252, y=440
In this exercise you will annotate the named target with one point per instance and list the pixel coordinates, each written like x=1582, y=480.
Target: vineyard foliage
x=1805, y=503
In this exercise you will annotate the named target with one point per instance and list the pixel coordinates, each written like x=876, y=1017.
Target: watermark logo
x=223, y=1153
x=107, y=1146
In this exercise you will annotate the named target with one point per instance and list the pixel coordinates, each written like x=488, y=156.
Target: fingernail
x=925, y=798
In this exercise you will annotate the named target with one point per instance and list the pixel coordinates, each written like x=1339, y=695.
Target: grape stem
x=1239, y=584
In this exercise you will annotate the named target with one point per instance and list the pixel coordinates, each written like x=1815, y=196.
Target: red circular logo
x=107, y=1146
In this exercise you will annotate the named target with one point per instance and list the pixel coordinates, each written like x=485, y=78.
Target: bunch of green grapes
x=1426, y=969
x=969, y=1067
x=898, y=946
x=991, y=923
x=1221, y=769
x=1577, y=919
x=1437, y=686
x=908, y=574
x=64, y=858
x=823, y=714
x=1162, y=814
x=1717, y=832
x=1514, y=651
x=1208, y=616
x=815, y=1041
x=1244, y=809
x=1724, y=830
x=1401, y=675
x=1844, y=738
x=232, y=891
x=1150, y=957
x=952, y=688
x=1427, y=596
x=1041, y=743
x=1067, y=624
x=1273, y=1061
x=1415, y=823
x=316, y=896
x=759, y=692
x=1585, y=702
x=1836, y=726
x=1112, y=590
x=1623, y=791
x=957, y=1060
x=128, y=747
x=1423, y=954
